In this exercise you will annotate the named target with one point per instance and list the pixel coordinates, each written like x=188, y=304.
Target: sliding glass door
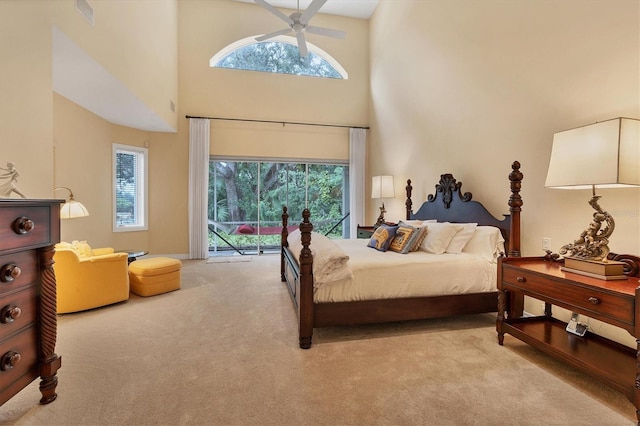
x=246, y=199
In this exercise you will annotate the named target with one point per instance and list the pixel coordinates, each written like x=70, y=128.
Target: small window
x=129, y=188
x=278, y=55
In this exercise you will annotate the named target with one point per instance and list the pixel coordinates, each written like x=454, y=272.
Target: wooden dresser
x=613, y=302
x=29, y=229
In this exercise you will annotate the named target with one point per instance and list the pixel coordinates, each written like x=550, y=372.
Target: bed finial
x=515, y=204
x=305, y=237
x=408, y=204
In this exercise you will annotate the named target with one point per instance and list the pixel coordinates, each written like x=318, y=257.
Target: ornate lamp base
x=380, y=220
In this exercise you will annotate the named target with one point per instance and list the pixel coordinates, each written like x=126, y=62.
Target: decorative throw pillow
x=382, y=237
x=420, y=232
x=418, y=238
x=439, y=235
x=461, y=238
x=401, y=242
x=82, y=248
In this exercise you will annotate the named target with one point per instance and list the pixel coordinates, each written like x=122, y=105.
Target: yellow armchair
x=89, y=278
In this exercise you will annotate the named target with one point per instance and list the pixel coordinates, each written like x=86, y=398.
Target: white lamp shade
x=72, y=209
x=382, y=187
x=603, y=155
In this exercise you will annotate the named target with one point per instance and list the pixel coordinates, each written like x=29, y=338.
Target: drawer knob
x=9, y=314
x=9, y=272
x=23, y=225
x=10, y=360
x=521, y=279
x=594, y=300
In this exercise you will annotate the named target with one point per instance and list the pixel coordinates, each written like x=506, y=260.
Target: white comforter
x=390, y=275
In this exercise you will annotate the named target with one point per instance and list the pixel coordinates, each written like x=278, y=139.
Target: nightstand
x=365, y=231
x=613, y=302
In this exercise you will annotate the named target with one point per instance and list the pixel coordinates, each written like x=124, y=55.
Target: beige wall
x=83, y=162
x=135, y=41
x=467, y=87
x=205, y=27
x=26, y=110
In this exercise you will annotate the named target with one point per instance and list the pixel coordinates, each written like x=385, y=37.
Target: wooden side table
x=365, y=231
x=134, y=255
x=613, y=302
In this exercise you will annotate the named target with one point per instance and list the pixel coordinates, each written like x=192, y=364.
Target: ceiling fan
x=299, y=23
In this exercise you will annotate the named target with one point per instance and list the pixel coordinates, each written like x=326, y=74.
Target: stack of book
x=609, y=270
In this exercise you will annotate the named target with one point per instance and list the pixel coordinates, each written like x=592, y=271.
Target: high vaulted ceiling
x=79, y=78
x=353, y=8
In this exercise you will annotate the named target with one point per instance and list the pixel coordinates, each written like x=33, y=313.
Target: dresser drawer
x=17, y=310
x=25, y=344
x=576, y=296
x=25, y=227
x=10, y=278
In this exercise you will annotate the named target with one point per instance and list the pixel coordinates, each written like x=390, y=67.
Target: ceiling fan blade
x=273, y=34
x=311, y=10
x=326, y=32
x=302, y=45
x=275, y=11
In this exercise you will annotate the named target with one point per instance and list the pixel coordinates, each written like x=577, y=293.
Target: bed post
x=305, y=298
x=284, y=240
x=515, y=204
x=515, y=300
x=408, y=204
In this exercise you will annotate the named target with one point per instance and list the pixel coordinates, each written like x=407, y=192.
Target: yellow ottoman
x=148, y=277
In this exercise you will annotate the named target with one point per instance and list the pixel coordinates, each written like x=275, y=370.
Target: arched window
x=278, y=55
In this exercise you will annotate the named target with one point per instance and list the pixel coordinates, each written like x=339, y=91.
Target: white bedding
x=390, y=275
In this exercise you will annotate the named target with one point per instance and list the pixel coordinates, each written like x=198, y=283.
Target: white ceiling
x=353, y=8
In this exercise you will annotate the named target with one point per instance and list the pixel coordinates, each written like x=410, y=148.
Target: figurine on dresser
x=10, y=186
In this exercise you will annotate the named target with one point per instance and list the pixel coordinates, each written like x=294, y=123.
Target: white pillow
x=416, y=222
x=487, y=241
x=461, y=238
x=439, y=235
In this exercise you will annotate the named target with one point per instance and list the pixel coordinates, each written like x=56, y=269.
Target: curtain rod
x=280, y=122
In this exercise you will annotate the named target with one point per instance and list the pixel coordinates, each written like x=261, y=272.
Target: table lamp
x=382, y=187
x=72, y=208
x=601, y=155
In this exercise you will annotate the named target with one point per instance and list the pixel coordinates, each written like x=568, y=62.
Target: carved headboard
x=450, y=204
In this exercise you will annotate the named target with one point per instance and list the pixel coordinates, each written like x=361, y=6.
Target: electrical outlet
x=546, y=243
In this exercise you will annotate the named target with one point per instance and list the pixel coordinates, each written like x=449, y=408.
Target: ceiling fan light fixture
x=298, y=23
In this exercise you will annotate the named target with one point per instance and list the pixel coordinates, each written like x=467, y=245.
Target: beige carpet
x=223, y=351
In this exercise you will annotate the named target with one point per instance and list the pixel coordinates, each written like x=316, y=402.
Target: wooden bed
x=448, y=204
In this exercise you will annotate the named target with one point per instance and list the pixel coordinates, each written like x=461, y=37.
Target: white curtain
x=198, y=187
x=357, y=155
